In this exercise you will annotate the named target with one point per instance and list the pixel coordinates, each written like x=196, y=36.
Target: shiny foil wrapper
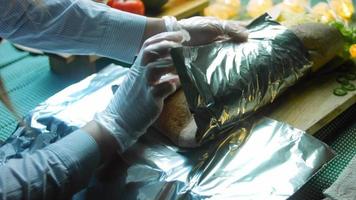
x=259, y=159
x=225, y=82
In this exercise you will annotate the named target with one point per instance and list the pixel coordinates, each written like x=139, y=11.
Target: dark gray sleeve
x=55, y=172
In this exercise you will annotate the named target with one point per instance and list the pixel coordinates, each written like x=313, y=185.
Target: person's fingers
x=169, y=36
x=204, y=30
x=149, y=56
x=159, y=45
x=156, y=70
x=164, y=89
x=171, y=78
x=157, y=50
x=235, y=31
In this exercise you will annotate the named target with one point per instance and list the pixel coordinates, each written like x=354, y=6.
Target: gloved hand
x=138, y=101
x=204, y=30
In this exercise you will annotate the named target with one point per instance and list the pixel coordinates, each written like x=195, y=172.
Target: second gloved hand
x=204, y=30
x=138, y=101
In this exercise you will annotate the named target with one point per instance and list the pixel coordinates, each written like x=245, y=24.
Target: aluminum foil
x=224, y=82
x=259, y=159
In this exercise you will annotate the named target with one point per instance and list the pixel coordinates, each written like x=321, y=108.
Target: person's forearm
x=61, y=169
x=55, y=172
x=72, y=26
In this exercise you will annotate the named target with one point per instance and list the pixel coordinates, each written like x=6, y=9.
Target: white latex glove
x=204, y=30
x=138, y=101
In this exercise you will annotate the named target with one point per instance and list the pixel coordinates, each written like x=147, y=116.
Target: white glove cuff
x=171, y=24
x=124, y=139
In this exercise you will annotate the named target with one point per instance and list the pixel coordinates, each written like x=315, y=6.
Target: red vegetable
x=132, y=6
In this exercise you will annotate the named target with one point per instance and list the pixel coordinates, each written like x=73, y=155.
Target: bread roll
x=322, y=41
x=177, y=123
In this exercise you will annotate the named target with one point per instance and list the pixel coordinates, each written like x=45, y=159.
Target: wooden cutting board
x=183, y=8
x=311, y=104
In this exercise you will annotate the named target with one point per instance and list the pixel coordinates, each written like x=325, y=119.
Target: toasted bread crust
x=175, y=116
x=322, y=41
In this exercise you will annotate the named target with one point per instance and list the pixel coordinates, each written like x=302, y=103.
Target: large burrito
x=224, y=83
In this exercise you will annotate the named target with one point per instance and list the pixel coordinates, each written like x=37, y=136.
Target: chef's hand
x=139, y=100
x=204, y=30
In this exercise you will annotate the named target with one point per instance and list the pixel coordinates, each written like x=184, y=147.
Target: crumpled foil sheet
x=260, y=159
x=224, y=82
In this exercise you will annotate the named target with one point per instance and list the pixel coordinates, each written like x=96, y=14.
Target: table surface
x=311, y=104
x=183, y=8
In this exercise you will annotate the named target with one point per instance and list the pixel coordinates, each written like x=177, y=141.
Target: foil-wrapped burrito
x=225, y=82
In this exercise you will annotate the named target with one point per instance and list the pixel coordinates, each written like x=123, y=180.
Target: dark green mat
x=29, y=81
x=10, y=55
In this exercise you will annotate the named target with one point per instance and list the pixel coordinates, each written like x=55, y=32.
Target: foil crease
x=259, y=159
x=225, y=82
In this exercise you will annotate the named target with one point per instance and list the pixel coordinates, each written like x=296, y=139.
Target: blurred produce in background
x=353, y=51
x=244, y=9
x=132, y=6
x=256, y=8
x=337, y=13
x=343, y=8
x=223, y=9
x=154, y=5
